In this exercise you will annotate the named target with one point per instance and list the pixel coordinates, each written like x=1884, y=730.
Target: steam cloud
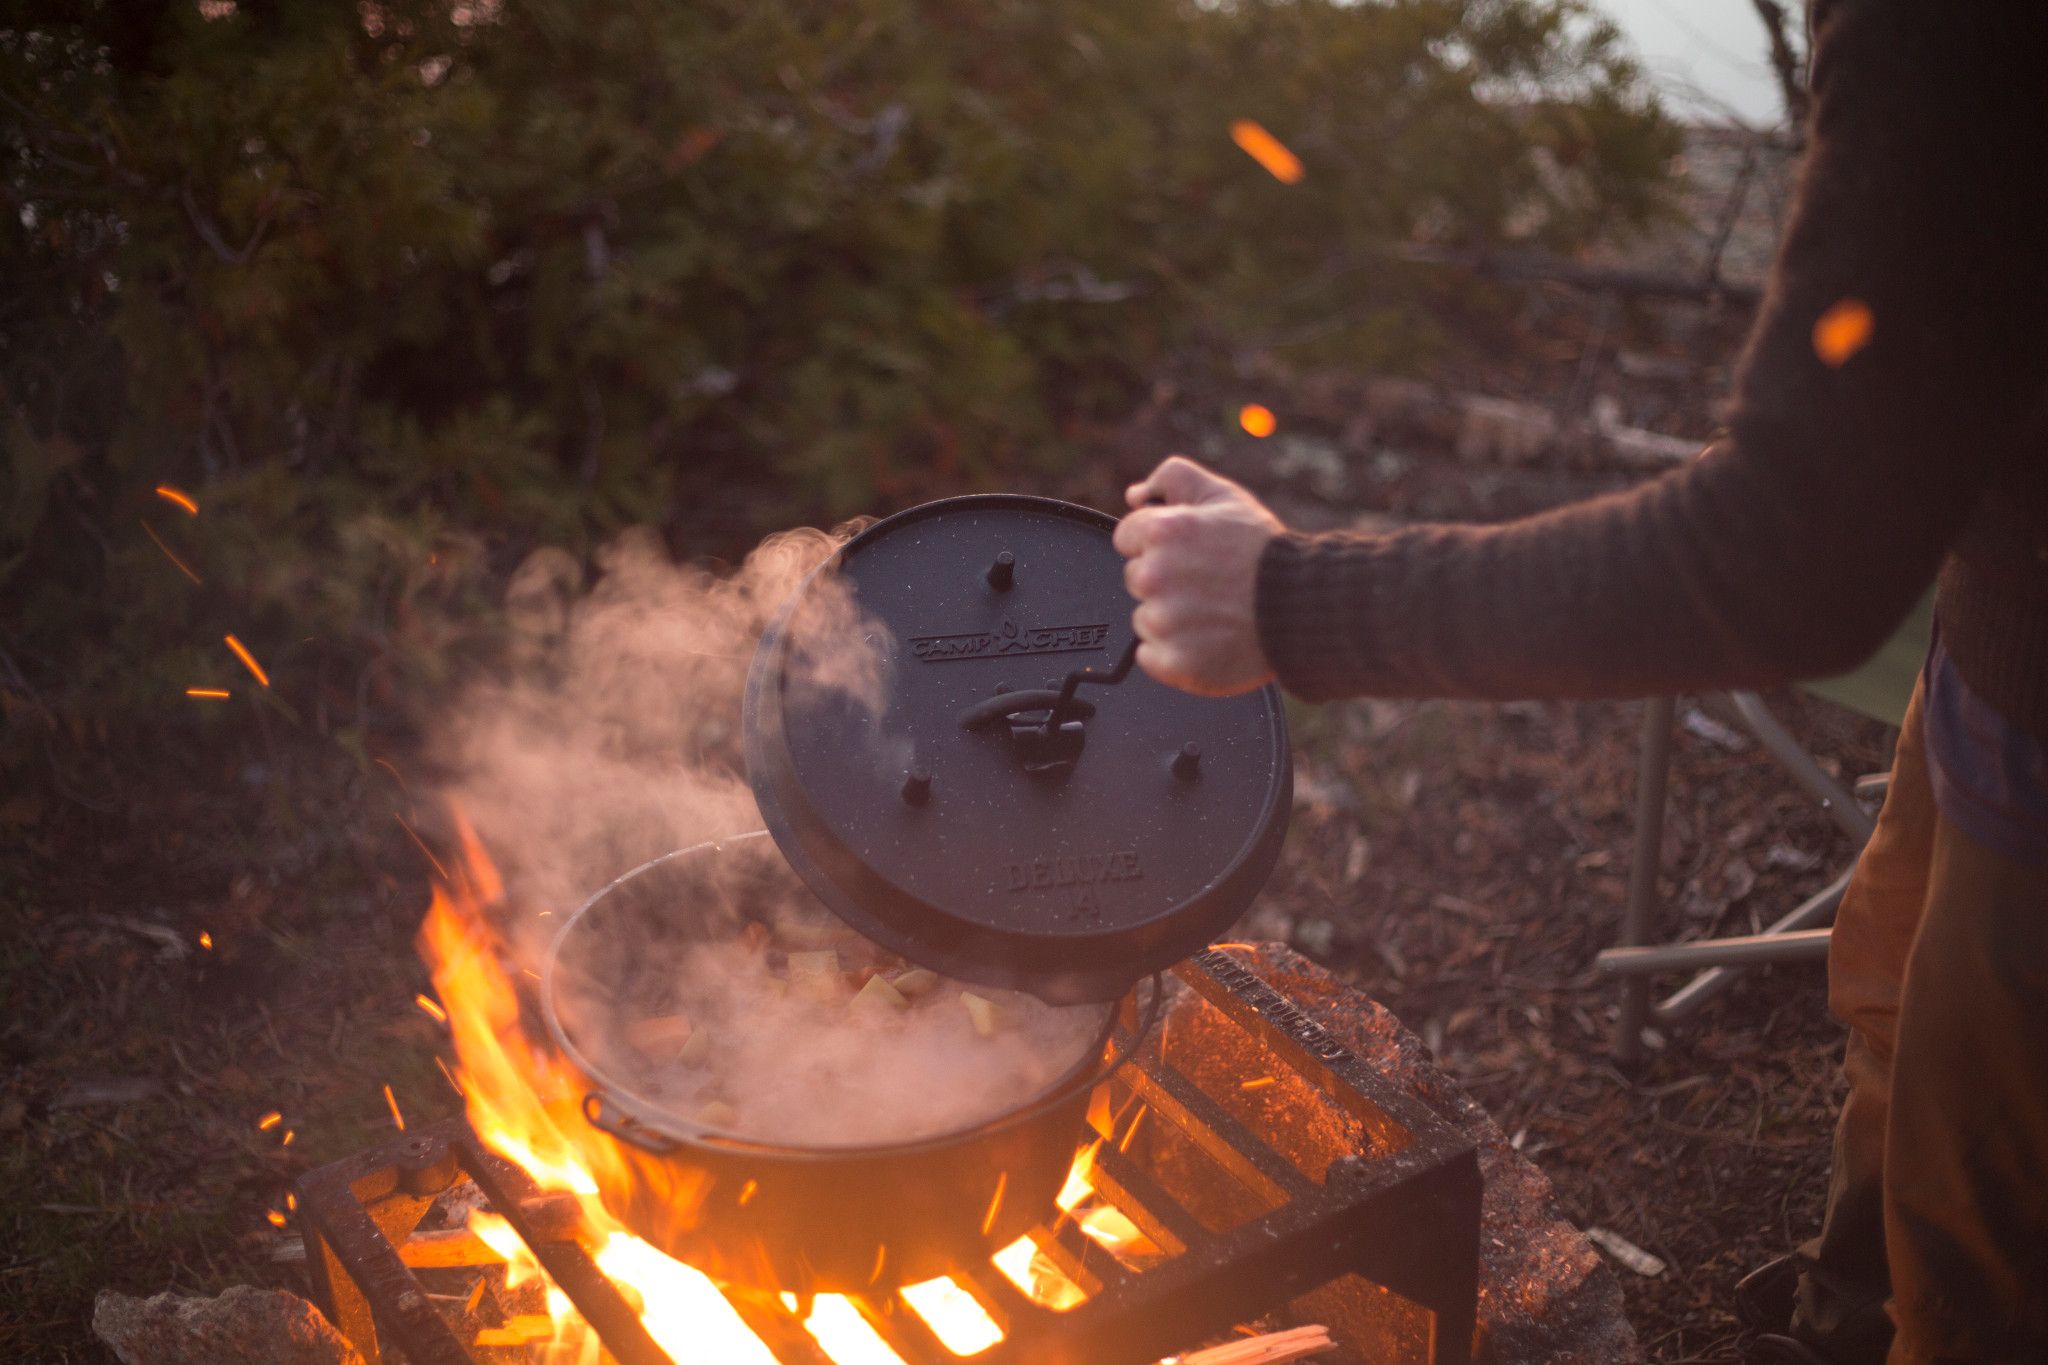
x=613, y=738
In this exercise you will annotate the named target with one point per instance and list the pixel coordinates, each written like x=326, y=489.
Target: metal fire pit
x=1282, y=1177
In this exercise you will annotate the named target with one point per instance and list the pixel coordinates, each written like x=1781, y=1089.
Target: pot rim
x=1103, y=1058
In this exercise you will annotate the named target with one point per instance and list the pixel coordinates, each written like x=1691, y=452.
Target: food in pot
x=796, y=1031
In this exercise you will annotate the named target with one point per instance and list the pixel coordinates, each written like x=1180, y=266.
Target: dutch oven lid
x=902, y=745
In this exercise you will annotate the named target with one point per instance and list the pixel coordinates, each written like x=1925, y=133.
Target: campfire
x=1243, y=1190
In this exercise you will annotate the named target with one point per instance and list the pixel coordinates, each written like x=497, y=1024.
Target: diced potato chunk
x=816, y=975
x=878, y=994
x=915, y=982
x=986, y=1014
x=659, y=1034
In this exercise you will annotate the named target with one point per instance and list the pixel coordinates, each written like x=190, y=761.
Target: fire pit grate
x=1279, y=1175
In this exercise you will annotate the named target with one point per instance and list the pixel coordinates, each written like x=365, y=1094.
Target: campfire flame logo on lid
x=1007, y=639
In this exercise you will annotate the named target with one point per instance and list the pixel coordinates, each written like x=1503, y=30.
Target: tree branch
x=1784, y=61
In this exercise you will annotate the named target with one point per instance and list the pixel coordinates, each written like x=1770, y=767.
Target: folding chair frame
x=1792, y=937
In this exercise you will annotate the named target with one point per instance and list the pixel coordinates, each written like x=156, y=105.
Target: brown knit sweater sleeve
x=1793, y=547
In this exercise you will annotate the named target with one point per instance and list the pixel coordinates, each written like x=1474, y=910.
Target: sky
x=1708, y=57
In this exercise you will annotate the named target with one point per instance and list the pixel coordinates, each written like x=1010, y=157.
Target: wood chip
x=1626, y=1252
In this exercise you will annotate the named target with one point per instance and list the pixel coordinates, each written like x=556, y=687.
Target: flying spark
x=206, y=940
x=1257, y=419
x=270, y=1120
x=422, y=845
x=210, y=693
x=427, y=1004
x=180, y=565
x=390, y=1100
x=242, y=653
x=178, y=496
x=1269, y=151
x=276, y=1217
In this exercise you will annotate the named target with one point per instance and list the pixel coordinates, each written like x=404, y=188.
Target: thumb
x=1179, y=480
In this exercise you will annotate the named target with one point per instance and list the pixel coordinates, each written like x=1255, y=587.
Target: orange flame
x=523, y=1104
x=1269, y=151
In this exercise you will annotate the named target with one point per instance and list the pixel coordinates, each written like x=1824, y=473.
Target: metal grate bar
x=1144, y=1201
x=903, y=1329
x=1234, y=1147
x=779, y=1329
x=614, y=1320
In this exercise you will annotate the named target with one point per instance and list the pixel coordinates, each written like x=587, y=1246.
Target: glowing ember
x=955, y=1316
x=206, y=940
x=1259, y=1083
x=178, y=497
x=210, y=693
x=837, y=1326
x=1024, y=1264
x=1257, y=420
x=685, y=1314
x=276, y=1217
x=1262, y=147
x=1842, y=331
x=248, y=659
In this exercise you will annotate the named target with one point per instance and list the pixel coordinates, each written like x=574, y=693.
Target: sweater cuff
x=1311, y=606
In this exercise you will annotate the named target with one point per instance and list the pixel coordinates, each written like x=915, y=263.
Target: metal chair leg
x=1816, y=909
x=1842, y=807
x=1653, y=768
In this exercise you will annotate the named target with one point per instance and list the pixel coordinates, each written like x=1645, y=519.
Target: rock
x=244, y=1326
x=1545, y=1294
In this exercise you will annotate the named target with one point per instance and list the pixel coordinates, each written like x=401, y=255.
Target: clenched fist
x=1193, y=543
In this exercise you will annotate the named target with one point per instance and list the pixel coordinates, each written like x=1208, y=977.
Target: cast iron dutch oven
x=951, y=750
x=776, y=1217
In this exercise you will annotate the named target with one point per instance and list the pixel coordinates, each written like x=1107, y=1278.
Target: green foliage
x=369, y=279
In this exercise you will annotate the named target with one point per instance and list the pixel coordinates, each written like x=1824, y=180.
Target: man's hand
x=1193, y=543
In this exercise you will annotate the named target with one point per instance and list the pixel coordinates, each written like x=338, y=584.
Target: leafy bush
x=402, y=289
